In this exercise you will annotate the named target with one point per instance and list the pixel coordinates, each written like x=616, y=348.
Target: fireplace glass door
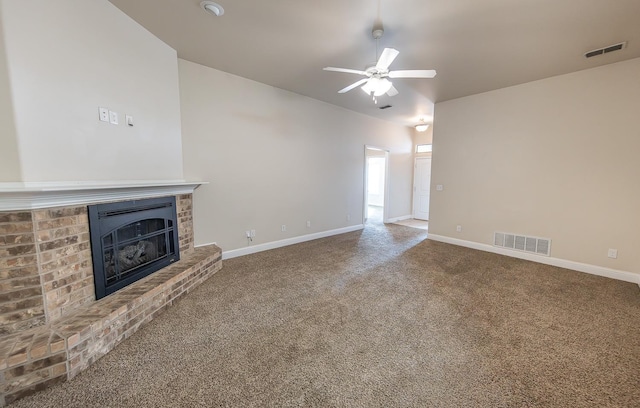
x=135, y=246
x=130, y=240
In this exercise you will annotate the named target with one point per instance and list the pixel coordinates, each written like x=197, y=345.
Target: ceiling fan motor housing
x=372, y=71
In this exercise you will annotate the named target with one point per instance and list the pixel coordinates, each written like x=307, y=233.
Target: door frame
x=385, y=217
x=415, y=188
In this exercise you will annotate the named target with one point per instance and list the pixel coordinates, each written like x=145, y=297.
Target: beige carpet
x=378, y=318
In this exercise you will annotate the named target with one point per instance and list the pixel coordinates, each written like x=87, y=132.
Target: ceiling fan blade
x=413, y=73
x=386, y=58
x=392, y=91
x=348, y=71
x=354, y=85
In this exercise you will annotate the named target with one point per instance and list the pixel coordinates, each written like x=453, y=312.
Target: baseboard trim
x=286, y=242
x=396, y=219
x=562, y=263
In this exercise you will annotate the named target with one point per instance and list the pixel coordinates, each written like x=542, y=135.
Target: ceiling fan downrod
x=377, y=33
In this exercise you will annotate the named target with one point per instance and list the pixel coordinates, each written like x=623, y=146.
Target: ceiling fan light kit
x=377, y=86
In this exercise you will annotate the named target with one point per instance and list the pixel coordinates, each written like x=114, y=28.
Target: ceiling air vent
x=605, y=50
x=534, y=245
x=385, y=107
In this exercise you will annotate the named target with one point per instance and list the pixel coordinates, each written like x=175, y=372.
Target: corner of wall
x=9, y=154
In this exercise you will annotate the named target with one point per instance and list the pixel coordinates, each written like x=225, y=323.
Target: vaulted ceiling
x=475, y=46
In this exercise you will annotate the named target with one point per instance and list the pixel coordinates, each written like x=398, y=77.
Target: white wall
x=555, y=158
x=68, y=57
x=9, y=161
x=274, y=157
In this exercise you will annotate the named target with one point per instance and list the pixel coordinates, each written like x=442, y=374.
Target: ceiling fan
x=376, y=82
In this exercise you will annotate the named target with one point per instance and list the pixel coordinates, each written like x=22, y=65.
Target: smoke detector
x=212, y=8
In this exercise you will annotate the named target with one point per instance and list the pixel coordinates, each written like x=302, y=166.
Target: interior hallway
x=374, y=216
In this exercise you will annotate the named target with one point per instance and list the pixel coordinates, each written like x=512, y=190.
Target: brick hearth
x=52, y=328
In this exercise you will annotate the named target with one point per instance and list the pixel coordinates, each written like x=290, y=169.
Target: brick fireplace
x=51, y=326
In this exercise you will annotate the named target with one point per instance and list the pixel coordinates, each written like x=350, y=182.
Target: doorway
x=421, y=188
x=375, y=184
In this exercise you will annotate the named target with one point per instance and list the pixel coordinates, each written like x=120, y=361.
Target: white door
x=421, y=188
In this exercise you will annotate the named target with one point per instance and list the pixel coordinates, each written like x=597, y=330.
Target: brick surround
x=64, y=259
x=51, y=326
x=21, y=300
x=184, y=211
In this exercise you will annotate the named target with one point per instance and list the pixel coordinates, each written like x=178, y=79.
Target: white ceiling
x=475, y=45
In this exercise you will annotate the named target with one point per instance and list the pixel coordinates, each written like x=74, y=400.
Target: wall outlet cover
x=113, y=117
x=103, y=114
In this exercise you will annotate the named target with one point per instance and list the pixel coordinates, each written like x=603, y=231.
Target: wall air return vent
x=534, y=245
x=606, y=50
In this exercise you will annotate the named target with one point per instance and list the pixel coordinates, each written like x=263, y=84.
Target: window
x=424, y=148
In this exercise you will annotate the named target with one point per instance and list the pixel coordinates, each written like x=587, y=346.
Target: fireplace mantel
x=39, y=195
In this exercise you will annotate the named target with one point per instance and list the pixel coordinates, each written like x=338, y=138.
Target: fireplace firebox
x=131, y=240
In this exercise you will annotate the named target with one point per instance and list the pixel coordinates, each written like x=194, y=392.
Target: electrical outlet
x=284, y=228
x=113, y=117
x=104, y=114
x=253, y=233
x=439, y=187
x=612, y=253
x=248, y=233
x=308, y=224
x=459, y=228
